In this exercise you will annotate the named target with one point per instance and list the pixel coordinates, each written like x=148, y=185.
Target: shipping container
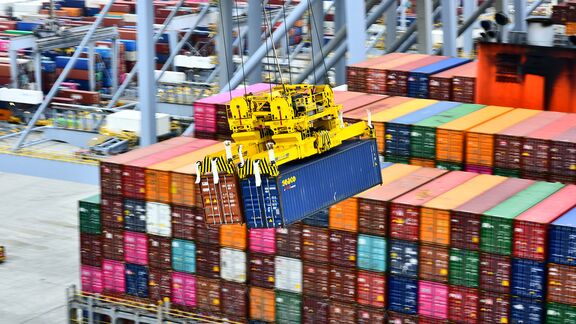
x=91, y=279
x=158, y=219
x=159, y=285
x=208, y=295
x=369, y=315
x=206, y=233
x=400, y=318
x=371, y=253
x=563, y=156
x=497, y=223
x=376, y=75
x=234, y=236
x=262, y=304
x=371, y=289
x=288, y=274
x=112, y=211
x=405, y=210
x=319, y=219
x=419, y=79
x=560, y=313
x=262, y=241
x=357, y=73
x=137, y=280
x=561, y=284
x=523, y=310
x=494, y=307
x=403, y=258
x=316, y=279
x=135, y=215
x=343, y=248
x=464, y=84
x=183, y=289
x=233, y=265
x=433, y=299
x=434, y=262
x=89, y=212
x=495, y=272
x=183, y=222
x=113, y=277
x=344, y=313
x=135, y=248
x=287, y=205
x=159, y=252
x=344, y=215
x=183, y=255
x=463, y=305
x=288, y=307
x=480, y=139
x=403, y=295
x=531, y=227
x=315, y=244
x=91, y=249
x=397, y=77
x=289, y=241
x=440, y=85
x=261, y=270
x=113, y=244
x=508, y=142
x=562, y=239
x=465, y=219
x=208, y=260
x=374, y=204
x=342, y=284
x=234, y=301
x=436, y=213
x=315, y=311
x=464, y=268
x=451, y=136
x=528, y=278
x=423, y=133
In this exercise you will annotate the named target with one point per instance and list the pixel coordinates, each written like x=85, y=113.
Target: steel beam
x=62, y=75
x=355, y=15
x=146, y=82
x=449, y=25
x=520, y=13
x=424, y=25
x=467, y=36
x=391, y=24
x=38, y=69
x=316, y=30
x=115, y=53
x=254, y=37
x=224, y=43
x=340, y=22
x=91, y=69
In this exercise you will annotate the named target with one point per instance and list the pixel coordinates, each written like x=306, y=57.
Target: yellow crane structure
x=288, y=123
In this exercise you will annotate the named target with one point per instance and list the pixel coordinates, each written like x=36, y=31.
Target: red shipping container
x=531, y=227
x=465, y=219
x=433, y=299
x=368, y=315
x=261, y=270
x=343, y=284
x=342, y=313
x=563, y=156
x=234, y=301
x=371, y=289
x=159, y=285
x=495, y=272
x=289, y=241
x=343, y=248
x=397, y=78
x=315, y=244
x=208, y=295
x=81, y=97
x=91, y=249
x=112, y=211
x=494, y=307
x=113, y=244
x=113, y=278
x=405, y=210
x=430, y=320
x=316, y=279
x=206, y=233
x=433, y=262
x=561, y=284
x=159, y=252
x=208, y=260
x=183, y=222
x=315, y=310
x=463, y=304
x=399, y=318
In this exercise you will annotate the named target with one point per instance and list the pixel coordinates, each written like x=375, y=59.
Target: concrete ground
x=39, y=228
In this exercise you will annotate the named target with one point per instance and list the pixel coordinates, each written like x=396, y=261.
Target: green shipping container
x=89, y=210
x=560, y=314
x=450, y=166
x=397, y=159
x=511, y=173
x=17, y=32
x=464, y=268
x=288, y=307
x=423, y=133
x=497, y=223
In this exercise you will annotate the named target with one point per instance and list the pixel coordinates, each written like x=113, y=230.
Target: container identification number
x=289, y=181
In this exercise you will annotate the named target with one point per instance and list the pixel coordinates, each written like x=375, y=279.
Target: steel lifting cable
x=241, y=47
x=225, y=49
x=267, y=50
x=319, y=43
x=287, y=42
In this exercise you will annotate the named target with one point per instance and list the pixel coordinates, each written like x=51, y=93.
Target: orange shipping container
x=480, y=139
x=262, y=304
x=428, y=163
x=450, y=136
x=233, y=236
x=435, y=214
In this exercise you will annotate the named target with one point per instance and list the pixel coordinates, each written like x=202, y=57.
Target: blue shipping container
x=305, y=187
x=135, y=215
x=81, y=63
x=398, y=131
x=562, y=239
x=404, y=258
x=528, y=278
x=74, y=3
x=129, y=45
x=183, y=256
x=403, y=295
x=27, y=25
x=418, y=79
x=526, y=311
x=136, y=280
x=48, y=66
x=320, y=219
x=371, y=253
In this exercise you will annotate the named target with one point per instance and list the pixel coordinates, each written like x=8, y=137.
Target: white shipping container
x=288, y=274
x=233, y=265
x=31, y=97
x=194, y=62
x=131, y=56
x=158, y=219
x=129, y=120
x=170, y=76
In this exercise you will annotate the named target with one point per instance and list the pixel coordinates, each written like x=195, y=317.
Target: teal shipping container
x=371, y=253
x=184, y=256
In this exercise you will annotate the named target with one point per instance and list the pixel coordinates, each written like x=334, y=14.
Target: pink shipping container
x=91, y=278
x=262, y=240
x=405, y=211
x=433, y=299
x=113, y=279
x=183, y=289
x=136, y=248
x=531, y=227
